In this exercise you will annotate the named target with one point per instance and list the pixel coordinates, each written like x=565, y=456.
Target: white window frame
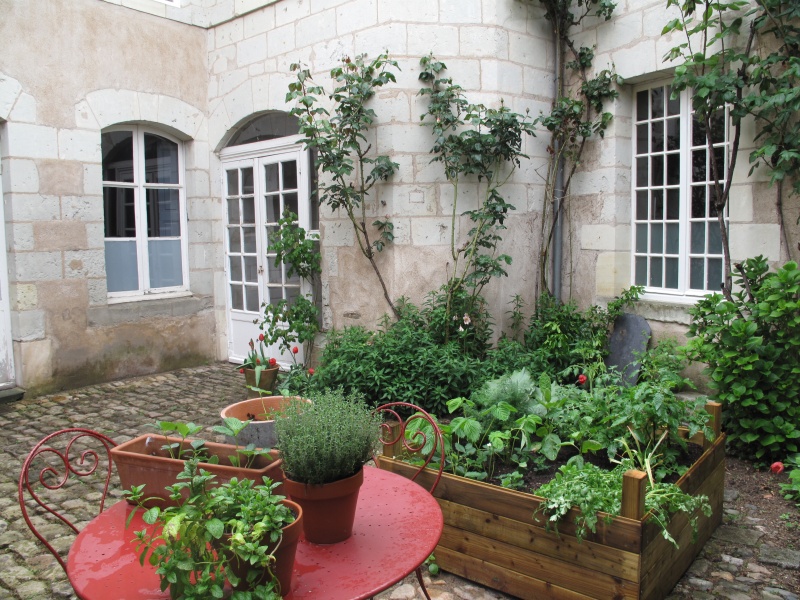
x=139, y=186
x=683, y=294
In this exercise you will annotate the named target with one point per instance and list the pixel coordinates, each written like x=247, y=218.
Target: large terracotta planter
x=329, y=509
x=265, y=382
x=491, y=537
x=141, y=461
x=261, y=431
x=284, y=553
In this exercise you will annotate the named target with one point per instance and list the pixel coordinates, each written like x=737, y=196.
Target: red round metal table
x=397, y=526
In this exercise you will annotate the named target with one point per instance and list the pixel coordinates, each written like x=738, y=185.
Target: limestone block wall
x=68, y=69
x=495, y=49
x=599, y=238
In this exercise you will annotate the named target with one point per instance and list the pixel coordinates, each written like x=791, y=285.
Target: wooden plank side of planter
x=504, y=580
x=623, y=534
x=530, y=538
x=571, y=574
x=663, y=564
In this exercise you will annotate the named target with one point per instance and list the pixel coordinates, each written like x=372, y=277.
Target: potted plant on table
x=238, y=532
x=324, y=446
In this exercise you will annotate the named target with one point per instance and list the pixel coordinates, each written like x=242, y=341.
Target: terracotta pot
x=284, y=554
x=142, y=461
x=329, y=509
x=265, y=382
x=261, y=432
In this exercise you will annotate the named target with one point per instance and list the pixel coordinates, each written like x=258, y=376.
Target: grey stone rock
x=780, y=593
x=738, y=535
x=780, y=557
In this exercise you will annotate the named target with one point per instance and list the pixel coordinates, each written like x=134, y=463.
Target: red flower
x=581, y=379
x=241, y=370
x=258, y=361
x=272, y=362
x=295, y=350
x=260, y=337
x=776, y=467
x=311, y=371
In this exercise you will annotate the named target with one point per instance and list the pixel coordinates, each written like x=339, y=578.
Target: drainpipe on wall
x=558, y=188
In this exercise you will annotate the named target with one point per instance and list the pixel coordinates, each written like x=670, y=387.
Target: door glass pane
x=236, y=268
x=237, y=298
x=673, y=134
x=290, y=202
x=657, y=170
x=658, y=205
x=273, y=208
x=294, y=279
x=673, y=205
x=233, y=211
x=641, y=105
x=698, y=237
x=274, y=272
x=657, y=106
x=251, y=298
x=698, y=202
x=673, y=238
x=119, y=212
x=718, y=127
x=657, y=137
x=292, y=294
x=160, y=159
x=289, y=169
x=673, y=169
x=233, y=182
x=673, y=104
x=271, y=182
x=698, y=131
x=122, y=272
x=165, y=263
x=247, y=181
x=163, y=213
x=699, y=165
x=275, y=293
x=117, y=149
x=249, y=237
x=234, y=239
x=248, y=211
x=250, y=269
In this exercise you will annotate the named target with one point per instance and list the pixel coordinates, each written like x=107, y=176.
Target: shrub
x=752, y=349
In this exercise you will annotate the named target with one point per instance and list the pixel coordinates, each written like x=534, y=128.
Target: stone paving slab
x=734, y=564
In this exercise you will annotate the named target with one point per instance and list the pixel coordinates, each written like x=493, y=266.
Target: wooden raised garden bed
x=491, y=536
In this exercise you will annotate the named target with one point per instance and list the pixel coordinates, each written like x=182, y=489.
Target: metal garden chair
x=58, y=462
x=417, y=437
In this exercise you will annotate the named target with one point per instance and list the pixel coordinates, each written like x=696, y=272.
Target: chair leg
x=422, y=583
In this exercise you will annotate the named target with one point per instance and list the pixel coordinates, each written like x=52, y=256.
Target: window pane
x=237, y=298
x=273, y=208
x=641, y=105
x=271, y=177
x=673, y=134
x=289, y=169
x=641, y=139
x=122, y=273
x=233, y=182
x=657, y=96
x=714, y=238
x=712, y=206
x=248, y=211
x=641, y=205
x=673, y=169
x=698, y=238
x=250, y=269
x=247, y=181
x=249, y=235
x=673, y=238
x=718, y=127
x=119, y=212
x=657, y=137
x=671, y=273
x=696, y=274
x=251, y=298
x=657, y=170
x=719, y=159
x=641, y=238
x=275, y=293
x=655, y=272
x=642, y=171
x=714, y=274
x=274, y=272
x=657, y=211
x=657, y=238
x=673, y=205
x=160, y=159
x=290, y=202
x=641, y=270
x=698, y=202
x=698, y=131
x=165, y=263
x=699, y=165
x=234, y=240
x=294, y=279
x=292, y=294
x=163, y=213
x=673, y=104
x=117, y=149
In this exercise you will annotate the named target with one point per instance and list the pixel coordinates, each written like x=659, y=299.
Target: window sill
x=146, y=297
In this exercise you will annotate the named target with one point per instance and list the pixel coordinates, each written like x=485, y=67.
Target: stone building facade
x=141, y=142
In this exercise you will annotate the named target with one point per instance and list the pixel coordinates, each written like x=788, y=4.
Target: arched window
x=144, y=210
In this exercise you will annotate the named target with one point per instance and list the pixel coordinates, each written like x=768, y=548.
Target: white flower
x=467, y=320
x=460, y=328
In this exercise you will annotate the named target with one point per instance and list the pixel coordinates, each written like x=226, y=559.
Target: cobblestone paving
x=736, y=564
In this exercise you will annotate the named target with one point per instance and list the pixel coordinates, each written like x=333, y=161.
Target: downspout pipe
x=558, y=187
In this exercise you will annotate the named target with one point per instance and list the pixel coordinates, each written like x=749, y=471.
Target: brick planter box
x=491, y=537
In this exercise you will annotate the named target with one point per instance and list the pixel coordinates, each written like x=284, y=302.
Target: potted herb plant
x=155, y=460
x=324, y=446
x=238, y=532
x=260, y=371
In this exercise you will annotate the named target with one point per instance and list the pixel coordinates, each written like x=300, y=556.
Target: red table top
x=397, y=526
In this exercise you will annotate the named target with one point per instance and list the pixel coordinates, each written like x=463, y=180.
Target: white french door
x=260, y=184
